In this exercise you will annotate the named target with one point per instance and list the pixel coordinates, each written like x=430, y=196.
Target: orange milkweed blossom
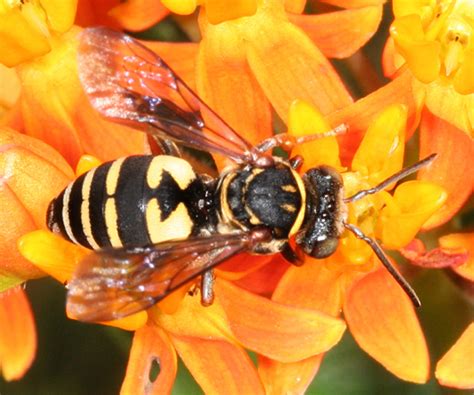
x=379, y=314
x=39, y=39
x=271, y=53
x=40, y=97
x=431, y=49
x=210, y=341
x=31, y=173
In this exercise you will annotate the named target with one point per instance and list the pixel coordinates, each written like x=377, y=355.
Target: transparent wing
x=111, y=284
x=127, y=82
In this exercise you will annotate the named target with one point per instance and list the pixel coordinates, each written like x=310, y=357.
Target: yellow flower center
x=437, y=40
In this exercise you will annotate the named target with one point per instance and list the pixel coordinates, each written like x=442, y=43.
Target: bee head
x=325, y=212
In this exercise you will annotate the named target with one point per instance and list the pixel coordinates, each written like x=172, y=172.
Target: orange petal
x=136, y=15
x=354, y=28
x=384, y=324
x=17, y=334
x=460, y=243
x=288, y=378
x=96, y=13
x=181, y=57
x=362, y=113
x=151, y=348
x=219, y=367
x=31, y=174
x=295, y=6
x=264, y=280
x=212, y=320
x=63, y=116
x=456, y=369
x=311, y=286
x=455, y=150
x=218, y=11
x=223, y=72
x=391, y=59
x=300, y=333
x=289, y=66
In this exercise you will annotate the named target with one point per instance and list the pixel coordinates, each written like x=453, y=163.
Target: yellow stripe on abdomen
x=85, y=214
x=65, y=214
x=111, y=222
x=181, y=171
x=113, y=176
x=178, y=225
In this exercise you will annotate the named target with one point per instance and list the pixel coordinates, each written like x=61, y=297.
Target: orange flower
x=257, y=49
x=26, y=27
x=379, y=314
x=203, y=337
x=31, y=173
x=44, y=53
x=432, y=50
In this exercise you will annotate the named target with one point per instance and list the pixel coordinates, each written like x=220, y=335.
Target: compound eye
x=325, y=248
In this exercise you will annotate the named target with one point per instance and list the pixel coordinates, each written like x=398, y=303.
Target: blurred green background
x=75, y=358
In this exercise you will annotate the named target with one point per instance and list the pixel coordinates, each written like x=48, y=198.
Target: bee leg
x=296, y=162
x=287, y=141
x=160, y=146
x=295, y=257
x=207, y=287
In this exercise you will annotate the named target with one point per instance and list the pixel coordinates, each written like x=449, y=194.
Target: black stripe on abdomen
x=97, y=199
x=131, y=198
x=74, y=210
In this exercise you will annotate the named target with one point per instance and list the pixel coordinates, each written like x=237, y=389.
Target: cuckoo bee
x=154, y=223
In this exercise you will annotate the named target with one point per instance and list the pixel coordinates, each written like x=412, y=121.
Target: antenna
x=385, y=261
x=394, y=178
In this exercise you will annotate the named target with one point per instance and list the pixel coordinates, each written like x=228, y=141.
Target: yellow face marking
x=113, y=176
x=300, y=217
x=85, y=218
x=111, y=218
x=180, y=170
x=289, y=188
x=288, y=207
x=178, y=225
x=65, y=214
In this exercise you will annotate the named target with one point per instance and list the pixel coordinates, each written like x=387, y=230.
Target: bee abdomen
x=131, y=202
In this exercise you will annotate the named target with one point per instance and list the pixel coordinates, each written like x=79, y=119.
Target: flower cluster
x=257, y=63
